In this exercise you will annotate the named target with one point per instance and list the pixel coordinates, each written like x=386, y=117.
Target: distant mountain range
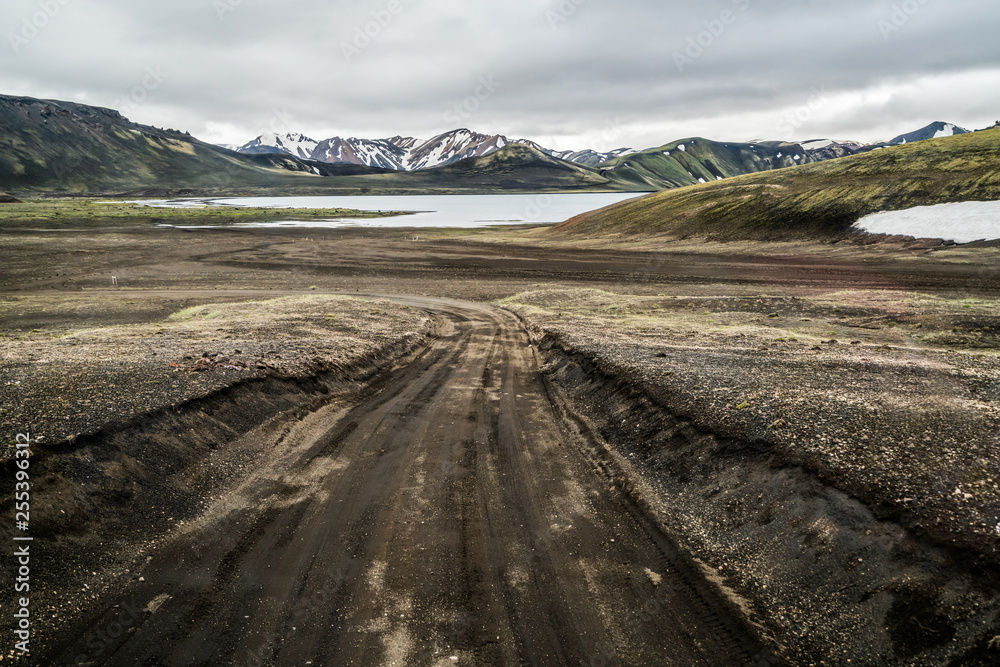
x=48, y=146
x=411, y=154
x=54, y=147
x=406, y=153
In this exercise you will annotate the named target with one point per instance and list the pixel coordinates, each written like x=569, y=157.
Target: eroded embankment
x=834, y=582
x=98, y=500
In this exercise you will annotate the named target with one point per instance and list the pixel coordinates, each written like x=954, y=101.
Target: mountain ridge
x=412, y=154
x=52, y=147
x=409, y=153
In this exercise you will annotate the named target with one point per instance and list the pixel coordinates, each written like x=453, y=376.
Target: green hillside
x=698, y=160
x=820, y=200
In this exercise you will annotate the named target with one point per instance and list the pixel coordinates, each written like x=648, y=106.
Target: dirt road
x=456, y=513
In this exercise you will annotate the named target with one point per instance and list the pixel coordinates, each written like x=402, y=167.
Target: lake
x=463, y=211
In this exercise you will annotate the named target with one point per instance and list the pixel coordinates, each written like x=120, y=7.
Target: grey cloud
x=568, y=68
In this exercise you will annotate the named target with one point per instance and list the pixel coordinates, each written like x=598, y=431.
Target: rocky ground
x=62, y=381
x=894, y=396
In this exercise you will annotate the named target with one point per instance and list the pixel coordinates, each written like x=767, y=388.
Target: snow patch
x=816, y=144
x=963, y=222
x=947, y=131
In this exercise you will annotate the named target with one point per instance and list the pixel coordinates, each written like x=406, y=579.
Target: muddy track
x=457, y=513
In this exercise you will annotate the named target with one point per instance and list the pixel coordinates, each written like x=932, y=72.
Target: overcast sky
x=566, y=73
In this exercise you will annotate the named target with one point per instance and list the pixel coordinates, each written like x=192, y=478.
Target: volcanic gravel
x=911, y=431
x=59, y=385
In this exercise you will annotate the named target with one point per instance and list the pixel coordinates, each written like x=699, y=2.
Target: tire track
x=455, y=512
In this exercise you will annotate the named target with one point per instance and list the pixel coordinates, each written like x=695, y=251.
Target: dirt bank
x=138, y=430
x=733, y=439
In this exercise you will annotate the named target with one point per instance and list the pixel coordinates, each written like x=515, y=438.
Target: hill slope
x=935, y=130
x=815, y=201
x=62, y=147
x=516, y=167
x=697, y=160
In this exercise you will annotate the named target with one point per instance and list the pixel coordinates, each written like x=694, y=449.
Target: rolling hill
x=816, y=201
x=698, y=160
x=516, y=167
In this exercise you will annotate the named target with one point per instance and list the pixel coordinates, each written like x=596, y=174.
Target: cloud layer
x=567, y=73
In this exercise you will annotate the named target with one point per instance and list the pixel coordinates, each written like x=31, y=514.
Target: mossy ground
x=87, y=212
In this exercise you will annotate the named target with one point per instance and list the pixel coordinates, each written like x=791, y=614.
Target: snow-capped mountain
x=828, y=149
x=401, y=153
x=410, y=154
x=384, y=153
x=293, y=144
x=589, y=158
x=932, y=131
x=454, y=146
